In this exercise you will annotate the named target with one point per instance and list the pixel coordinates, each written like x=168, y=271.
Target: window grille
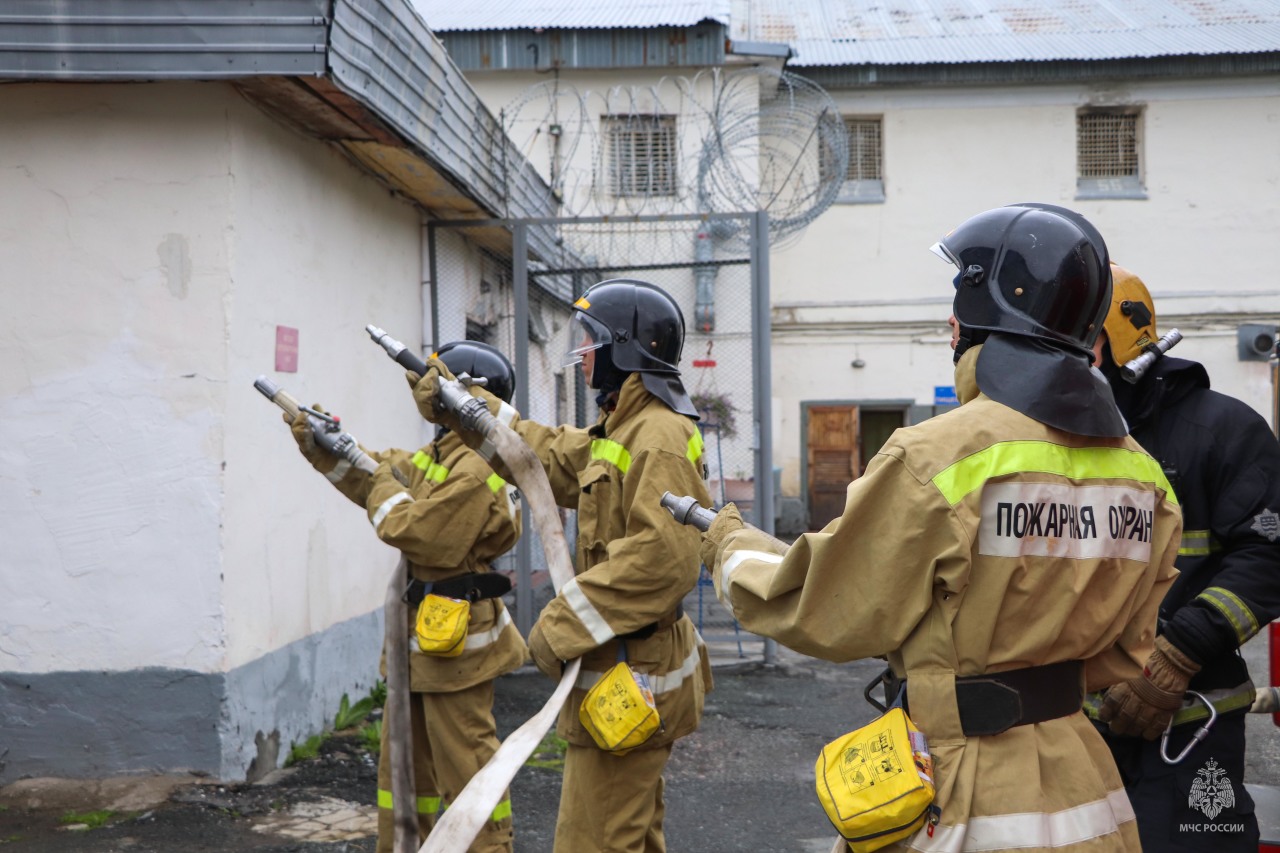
x=865, y=149
x=1107, y=144
x=642, y=154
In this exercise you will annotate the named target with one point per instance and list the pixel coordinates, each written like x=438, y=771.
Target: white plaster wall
x=860, y=283
x=115, y=254
x=153, y=508
x=325, y=249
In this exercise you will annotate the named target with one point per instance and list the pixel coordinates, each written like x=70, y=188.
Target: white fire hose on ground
x=474, y=805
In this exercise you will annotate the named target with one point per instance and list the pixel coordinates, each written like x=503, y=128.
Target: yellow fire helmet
x=1131, y=322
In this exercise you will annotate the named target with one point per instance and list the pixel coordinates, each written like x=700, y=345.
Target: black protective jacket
x=1224, y=465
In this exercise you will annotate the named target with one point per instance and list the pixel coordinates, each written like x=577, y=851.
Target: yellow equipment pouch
x=876, y=783
x=441, y=625
x=619, y=711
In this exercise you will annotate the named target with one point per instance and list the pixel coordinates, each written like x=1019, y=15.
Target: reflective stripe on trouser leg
x=423, y=783
x=612, y=802
x=463, y=738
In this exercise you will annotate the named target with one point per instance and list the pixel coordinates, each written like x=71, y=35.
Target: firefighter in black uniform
x=1224, y=465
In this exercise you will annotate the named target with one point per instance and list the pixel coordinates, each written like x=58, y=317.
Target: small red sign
x=286, y=349
x=704, y=362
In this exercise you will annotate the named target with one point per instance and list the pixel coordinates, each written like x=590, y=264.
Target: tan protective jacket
x=976, y=542
x=454, y=517
x=635, y=563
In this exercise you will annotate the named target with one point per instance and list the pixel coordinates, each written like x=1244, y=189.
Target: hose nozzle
x=687, y=510
x=1134, y=370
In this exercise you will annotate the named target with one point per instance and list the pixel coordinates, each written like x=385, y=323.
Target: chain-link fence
x=516, y=292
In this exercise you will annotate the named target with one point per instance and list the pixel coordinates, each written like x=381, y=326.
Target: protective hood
x=668, y=388
x=1049, y=384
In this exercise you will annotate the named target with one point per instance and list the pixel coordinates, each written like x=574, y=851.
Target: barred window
x=1109, y=152
x=864, y=176
x=642, y=154
x=865, y=150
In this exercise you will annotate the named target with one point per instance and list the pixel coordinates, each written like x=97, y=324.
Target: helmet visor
x=940, y=249
x=586, y=334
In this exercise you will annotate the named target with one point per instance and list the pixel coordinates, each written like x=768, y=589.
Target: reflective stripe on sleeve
x=381, y=514
x=339, y=471
x=1036, y=830
x=965, y=476
x=668, y=683
x=611, y=452
x=1196, y=543
x=495, y=483
x=586, y=612
x=730, y=565
x=694, y=452
x=501, y=812
x=426, y=805
x=1237, y=612
x=431, y=469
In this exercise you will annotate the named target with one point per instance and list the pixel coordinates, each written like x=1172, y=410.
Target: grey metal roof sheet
x=452, y=15
x=894, y=32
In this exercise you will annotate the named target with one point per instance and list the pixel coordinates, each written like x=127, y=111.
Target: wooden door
x=833, y=460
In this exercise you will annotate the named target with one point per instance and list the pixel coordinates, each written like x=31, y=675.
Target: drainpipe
x=704, y=277
x=1275, y=398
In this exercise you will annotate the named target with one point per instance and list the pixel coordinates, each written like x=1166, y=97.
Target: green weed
x=309, y=748
x=379, y=693
x=350, y=715
x=371, y=737
x=550, y=753
x=93, y=819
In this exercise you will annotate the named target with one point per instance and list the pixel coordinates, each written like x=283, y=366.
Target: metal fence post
x=762, y=393
x=520, y=284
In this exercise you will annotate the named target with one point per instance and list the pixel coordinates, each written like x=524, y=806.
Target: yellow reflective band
x=612, y=452
x=426, y=805
x=694, y=453
x=1237, y=612
x=502, y=812
x=1196, y=543
x=582, y=303
x=495, y=483
x=962, y=478
x=434, y=471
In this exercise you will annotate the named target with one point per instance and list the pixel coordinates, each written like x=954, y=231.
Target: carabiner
x=1201, y=733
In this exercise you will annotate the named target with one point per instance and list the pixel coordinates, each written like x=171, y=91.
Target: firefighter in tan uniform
x=451, y=519
x=635, y=564
x=1005, y=556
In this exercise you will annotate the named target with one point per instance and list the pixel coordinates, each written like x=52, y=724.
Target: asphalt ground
x=744, y=781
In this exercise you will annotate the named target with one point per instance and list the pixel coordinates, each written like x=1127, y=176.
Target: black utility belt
x=996, y=702
x=468, y=587
x=653, y=627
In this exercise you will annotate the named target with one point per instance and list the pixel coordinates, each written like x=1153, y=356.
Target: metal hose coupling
x=1133, y=370
x=687, y=510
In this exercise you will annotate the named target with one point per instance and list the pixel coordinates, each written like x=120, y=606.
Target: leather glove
x=543, y=655
x=320, y=459
x=426, y=394
x=726, y=521
x=1143, y=706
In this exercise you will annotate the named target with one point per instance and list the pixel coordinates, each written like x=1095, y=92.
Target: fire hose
x=330, y=437
x=474, y=805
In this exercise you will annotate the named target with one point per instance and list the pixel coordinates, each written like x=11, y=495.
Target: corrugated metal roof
x=907, y=32
x=453, y=15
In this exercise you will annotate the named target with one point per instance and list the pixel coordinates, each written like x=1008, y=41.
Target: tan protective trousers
x=454, y=734
x=612, y=803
